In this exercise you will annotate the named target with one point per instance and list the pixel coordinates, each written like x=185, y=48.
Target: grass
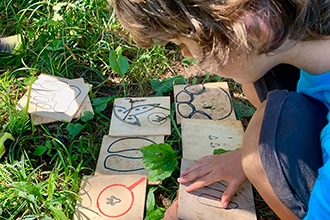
x=41, y=174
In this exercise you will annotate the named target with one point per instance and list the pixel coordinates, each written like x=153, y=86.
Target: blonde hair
x=220, y=25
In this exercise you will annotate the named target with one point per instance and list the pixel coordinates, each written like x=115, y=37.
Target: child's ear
x=257, y=30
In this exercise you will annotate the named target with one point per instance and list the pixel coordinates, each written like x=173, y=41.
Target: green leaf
x=220, y=151
x=27, y=187
x=155, y=214
x=194, y=81
x=87, y=116
x=99, y=104
x=48, y=144
x=160, y=159
x=166, y=85
x=74, y=128
x=242, y=110
x=151, y=202
x=189, y=61
x=40, y=150
x=57, y=213
x=27, y=196
x=51, y=185
x=159, y=175
x=119, y=65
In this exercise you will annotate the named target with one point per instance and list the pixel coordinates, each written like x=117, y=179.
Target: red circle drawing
x=119, y=197
x=115, y=194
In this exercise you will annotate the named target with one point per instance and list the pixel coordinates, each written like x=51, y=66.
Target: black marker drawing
x=48, y=95
x=213, y=196
x=213, y=141
x=185, y=98
x=134, y=114
x=133, y=154
x=130, y=115
x=113, y=200
x=214, y=144
x=213, y=137
x=111, y=166
x=157, y=118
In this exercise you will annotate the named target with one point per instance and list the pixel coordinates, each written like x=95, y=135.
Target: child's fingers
x=228, y=194
x=196, y=185
x=172, y=212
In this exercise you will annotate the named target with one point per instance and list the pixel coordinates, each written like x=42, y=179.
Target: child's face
x=241, y=67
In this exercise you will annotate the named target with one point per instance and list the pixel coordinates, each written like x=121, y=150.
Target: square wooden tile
x=85, y=106
x=119, y=197
x=203, y=101
x=201, y=137
x=204, y=203
x=140, y=116
x=54, y=97
x=122, y=155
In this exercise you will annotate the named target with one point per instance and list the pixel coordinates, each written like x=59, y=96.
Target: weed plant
x=41, y=173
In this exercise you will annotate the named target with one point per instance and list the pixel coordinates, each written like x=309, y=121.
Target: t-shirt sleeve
x=319, y=203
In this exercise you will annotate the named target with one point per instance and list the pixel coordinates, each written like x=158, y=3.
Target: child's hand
x=172, y=212
x=210, y=169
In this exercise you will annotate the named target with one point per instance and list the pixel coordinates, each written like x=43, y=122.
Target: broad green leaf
x=220, y=151
x=242, y=110
x=166, y=85
x=48, y=144
x=57, y=213
x=151, y=202
x=27, y=196
x=87, y=116
x=40, y=150
x=27, y=187
x=160, y=159
x=74, y=128
x=155, y=214
x=99, y=104
x=120, y=65
x=159, y=175
x=74, y=157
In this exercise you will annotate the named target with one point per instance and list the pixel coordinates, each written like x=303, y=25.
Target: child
x=285, y=147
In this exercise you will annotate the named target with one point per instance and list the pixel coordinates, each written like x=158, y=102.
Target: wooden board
x=140, y=116
x=201, y=137
x=203, y=101
x=85, y=106
x=55, y=97
x=119, y=197
x=206, y=202
x=10, y=43
x=122, y=155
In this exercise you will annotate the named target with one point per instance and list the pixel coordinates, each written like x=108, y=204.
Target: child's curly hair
x=220, y=25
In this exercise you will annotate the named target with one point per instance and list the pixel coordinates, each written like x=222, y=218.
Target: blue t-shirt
x=318, y=87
